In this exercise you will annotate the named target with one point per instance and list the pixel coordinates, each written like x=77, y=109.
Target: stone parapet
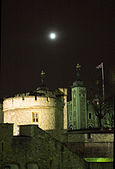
x=28, y=102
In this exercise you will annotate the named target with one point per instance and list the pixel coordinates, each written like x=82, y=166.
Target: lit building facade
x=50, y=111
x=43, y=107
x=82, y=113
x=78, y=106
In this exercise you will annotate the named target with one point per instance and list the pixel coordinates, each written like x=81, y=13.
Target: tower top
x=78, y=66
x=42, y=73
x=78, y=81
x=42, y=77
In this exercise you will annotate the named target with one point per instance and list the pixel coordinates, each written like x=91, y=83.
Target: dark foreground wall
x=101, y=165
x=90, y=145
x=35, y=149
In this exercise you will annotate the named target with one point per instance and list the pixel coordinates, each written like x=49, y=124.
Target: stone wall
x=79, y=111
x=27, y=102
x=69, y=111
x=19, y=111
x=34, y=148
x=51, y=110
x=64, y=90
x=90, y=144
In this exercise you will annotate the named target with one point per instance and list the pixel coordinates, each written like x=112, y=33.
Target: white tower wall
x=79, y=111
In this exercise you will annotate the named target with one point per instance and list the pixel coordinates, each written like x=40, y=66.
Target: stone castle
x=71, y=123
x=43, y=107
x=50, y=110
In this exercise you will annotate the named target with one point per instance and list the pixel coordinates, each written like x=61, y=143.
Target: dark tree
x=102, y=108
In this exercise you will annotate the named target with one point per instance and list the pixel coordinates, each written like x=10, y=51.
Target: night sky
x=84, y=35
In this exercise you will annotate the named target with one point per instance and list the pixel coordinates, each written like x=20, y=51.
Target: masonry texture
x=90, y=143
x=34, y=148
x=64, y=135
x=51, y=108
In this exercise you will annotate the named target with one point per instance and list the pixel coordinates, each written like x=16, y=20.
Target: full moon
x=52, y=35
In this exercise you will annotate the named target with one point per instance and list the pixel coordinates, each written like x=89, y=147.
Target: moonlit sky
x=84, y=34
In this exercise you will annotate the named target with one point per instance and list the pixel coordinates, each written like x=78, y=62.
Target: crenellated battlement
x=27, y=102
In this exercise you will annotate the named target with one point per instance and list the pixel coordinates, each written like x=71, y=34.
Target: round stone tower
x=43, y=107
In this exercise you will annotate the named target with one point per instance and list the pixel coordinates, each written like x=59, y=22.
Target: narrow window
x=2, y=146
x=89, y=115
x=35, y=97
x=35, y=117
x=89, y=135
x=33, y=114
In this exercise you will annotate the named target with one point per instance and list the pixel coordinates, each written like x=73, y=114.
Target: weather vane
x=42, y=73
x=42, y=77
x=78, y=66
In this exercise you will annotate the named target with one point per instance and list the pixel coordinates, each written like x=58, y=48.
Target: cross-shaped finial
x=42, y=77
x=42, y=73
x=78, y=66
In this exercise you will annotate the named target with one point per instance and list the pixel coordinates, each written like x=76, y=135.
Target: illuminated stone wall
x=29, y=101
x=51, y=109
x=69, y=108
x=64, y=90
x=79, y=111
x=19, y=111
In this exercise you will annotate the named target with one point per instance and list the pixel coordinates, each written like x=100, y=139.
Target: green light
x=99, y=160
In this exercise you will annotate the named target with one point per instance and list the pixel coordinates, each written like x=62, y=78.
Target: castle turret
x=79, y=112
x=43, y=107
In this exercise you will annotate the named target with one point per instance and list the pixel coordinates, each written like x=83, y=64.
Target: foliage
x=104, y=110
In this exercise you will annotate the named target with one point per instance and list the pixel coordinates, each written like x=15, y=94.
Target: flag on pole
x=100, y=66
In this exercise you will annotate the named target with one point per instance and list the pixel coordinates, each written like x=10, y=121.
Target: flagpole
x=103, y=81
